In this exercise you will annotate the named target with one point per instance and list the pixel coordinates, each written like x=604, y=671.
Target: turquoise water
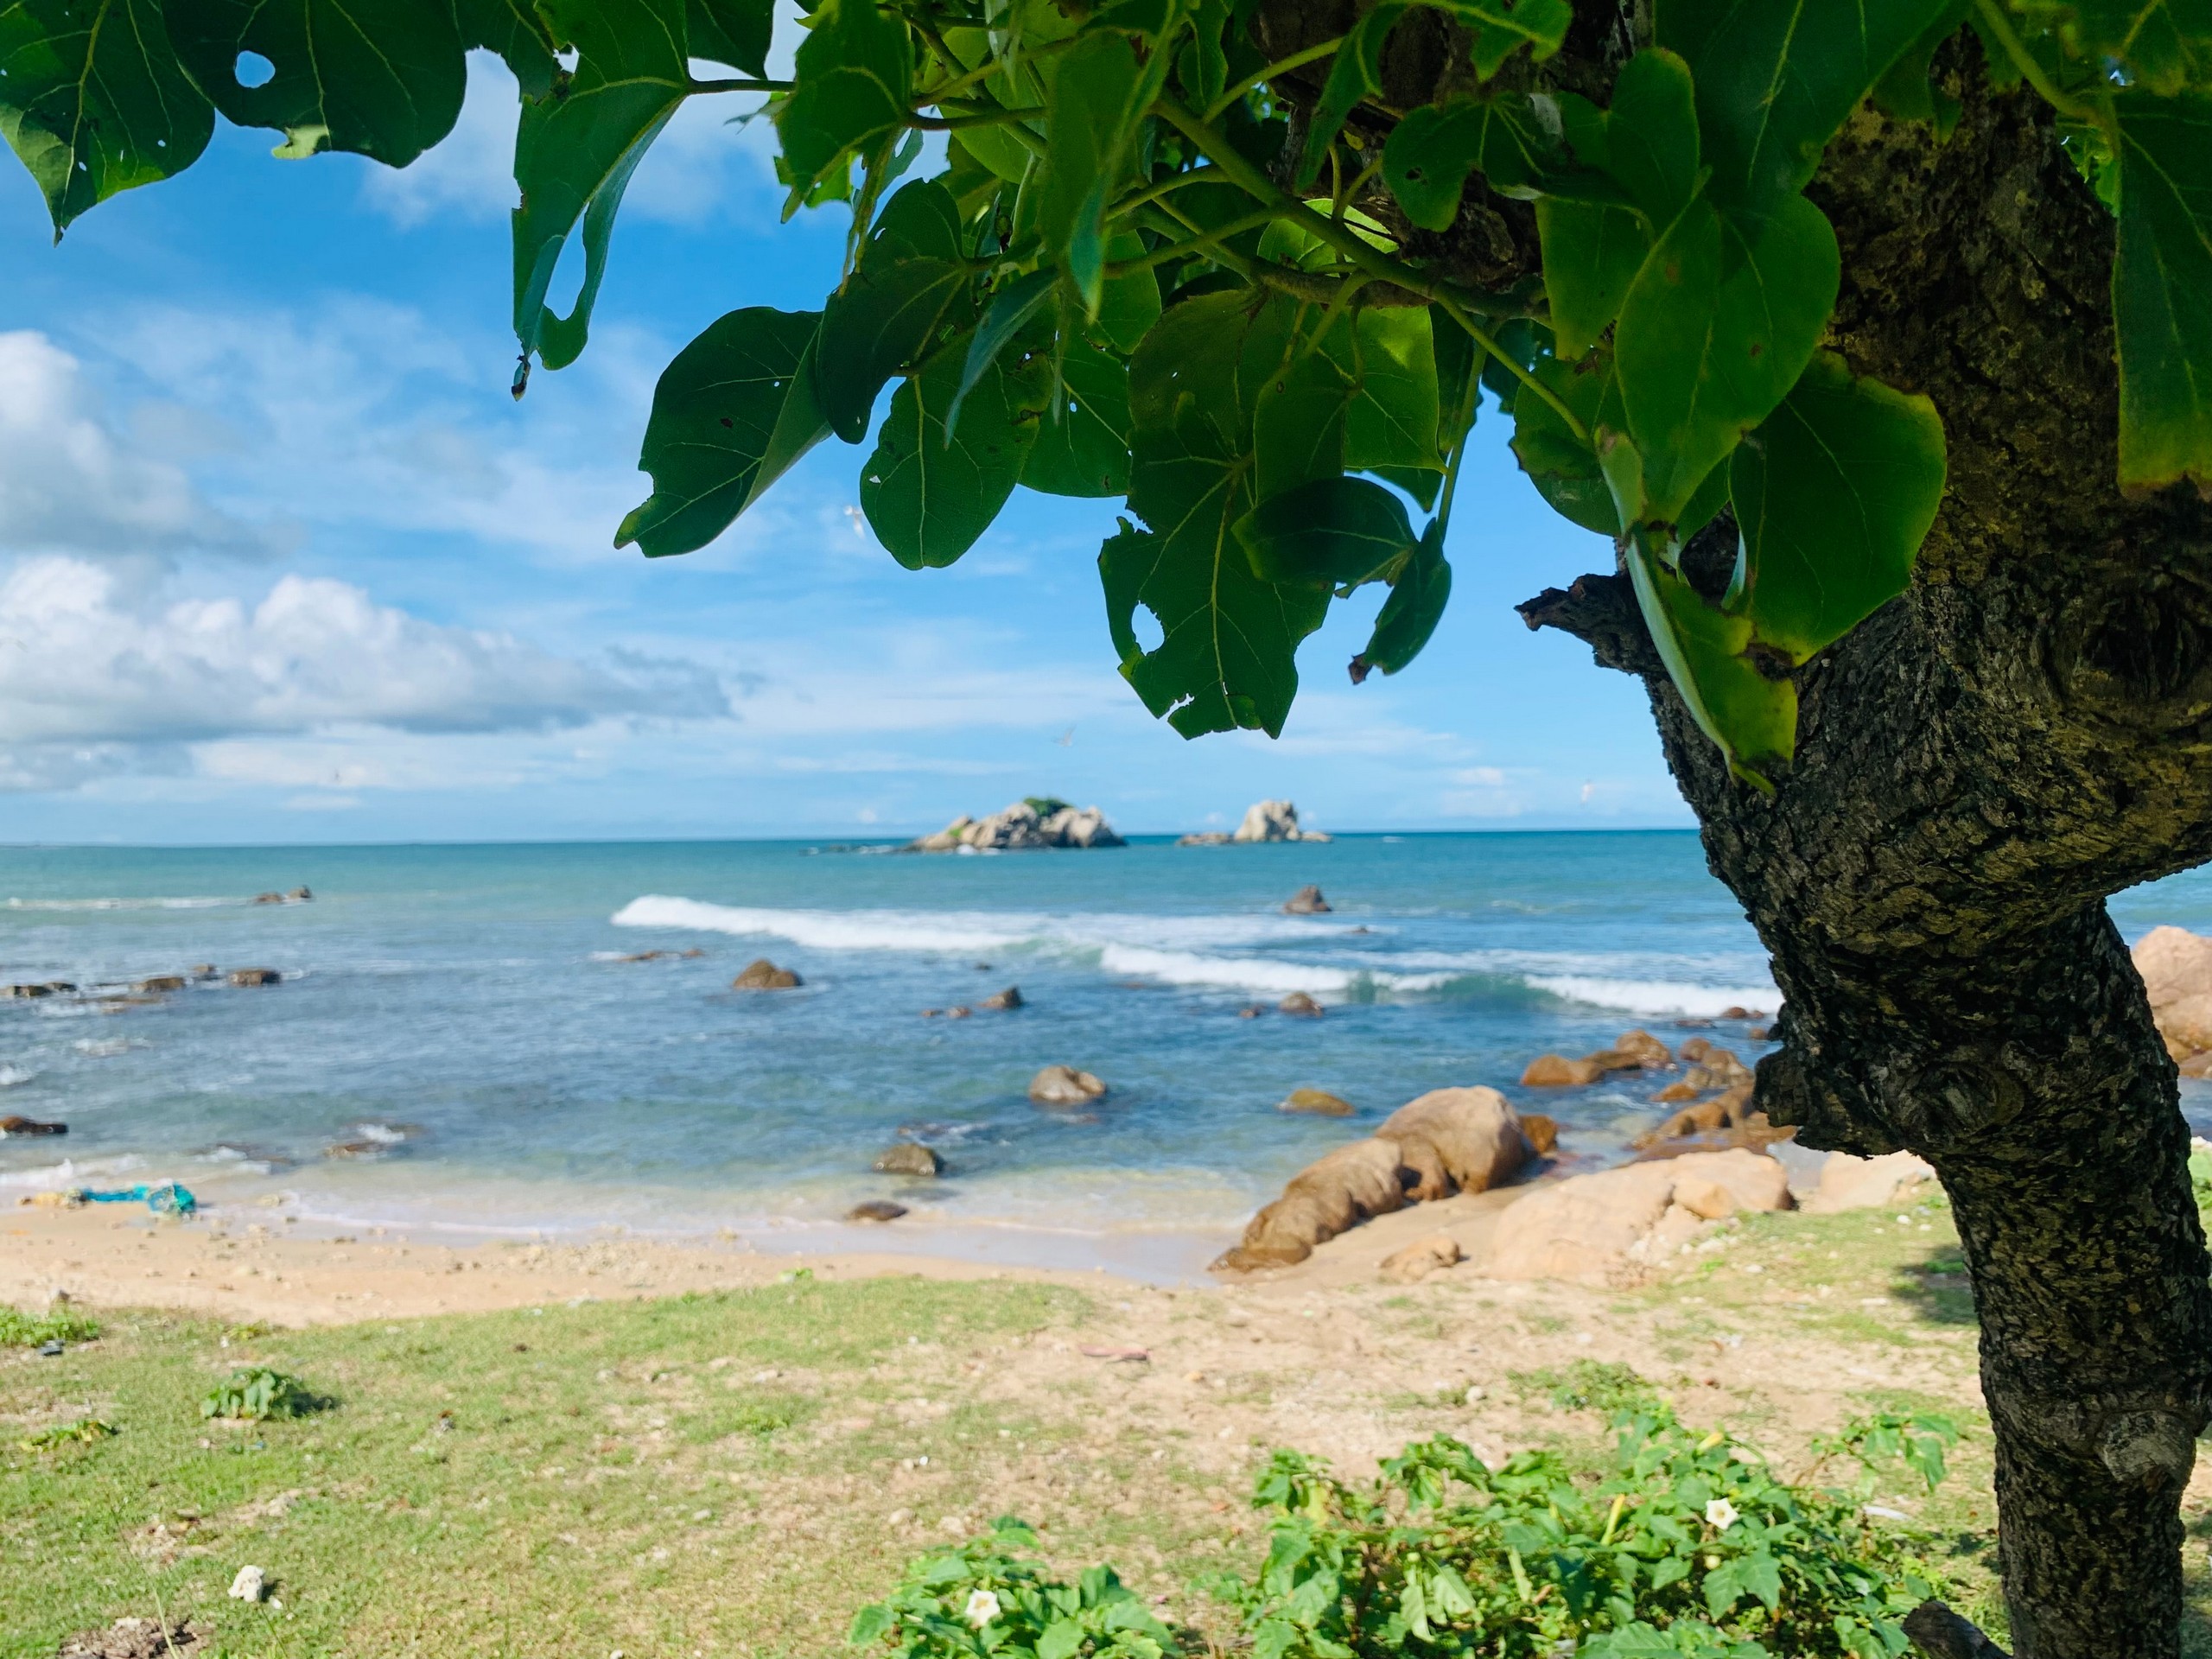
x=459, y=1006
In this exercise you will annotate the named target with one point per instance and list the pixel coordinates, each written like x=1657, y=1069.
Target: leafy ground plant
x=21, y=1330
x=256, y=1395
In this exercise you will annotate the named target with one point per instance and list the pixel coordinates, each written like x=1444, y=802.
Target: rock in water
x=1557, y=1071
x=1420, y=1258
x=1315, y=1103
x=1646, y=1050
x=1274, y=820
x=909, y=1157
x=1005, y=1002
x=1063, y=1085
x=14, y=1125
x=1035, y=823
x=1456, y=1140
x=255, y=976
x=1300, y=1004
x=1306, y=901
x=762, y=975
x=1204, y=838
x=1540, y=1132
x=875, y=1210
x=1078, y=826
x=160, y=982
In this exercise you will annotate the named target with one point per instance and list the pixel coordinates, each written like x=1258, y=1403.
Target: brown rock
x=1456, y=1140
x=1736, y=1013
x=1557, y=1071
x=161, y=983
x=1063, y=1085
x=1250, y=1011
x=298, y=896
x=203, y=971
x=1593, y=1228
x=255, y=976
x=1300, y=1004
x=30, y=990
x=909, y=1157
x=1315, y=1103
x=960, y=1011
x=268, y=898
x=2176, y=968
x=762, y=975
x=1306, y=901
x=1849, y=1183
x=1540, y=1132
x=1681, y=1089
x=1420, y=1258
x=1647, y=1051
x=1695, y=1049
x=875, y=1210
x=13, y=1125
x=1328, y=1196
x=1005, y=1001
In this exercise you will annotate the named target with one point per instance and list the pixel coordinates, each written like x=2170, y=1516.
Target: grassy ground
x=735, y=1473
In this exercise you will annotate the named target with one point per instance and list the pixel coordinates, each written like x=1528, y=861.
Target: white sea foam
x=11, y=1076
x=1655, y=995
x=101, y=1047
x=124, y=904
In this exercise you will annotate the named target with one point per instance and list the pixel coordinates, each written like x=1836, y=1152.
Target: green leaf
x=1099, y=94
x=1356, y=74
x=1753, y=719
x=2162, y=291
x=854, y=75
x=734, y=32
x=1651, y=136
x=1388, y=355
x=1329, y=532
x=2164, y=45
x=384, y=81
x=1714, y=331
x=1429, y=155
x=1833, y=494
x=730, y=416
x=1006, y=315
x=514, y=30
x=577, y=148
x=93, y=101
x=1086, y=451
x=929, y=493
x=1591, y=253
x=1418, y=595
x=890, y=310
x=1501, y=27
x=1776, y=79
x=1129, y=303
x=1907, y=91
x=1563, y=467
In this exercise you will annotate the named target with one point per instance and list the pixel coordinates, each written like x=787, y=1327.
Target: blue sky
x=280, y=560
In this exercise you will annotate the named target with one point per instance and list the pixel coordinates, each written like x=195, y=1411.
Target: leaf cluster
x=22, y=1330
x=1151, y=264
x=258, y=1394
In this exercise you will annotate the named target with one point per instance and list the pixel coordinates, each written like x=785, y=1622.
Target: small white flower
x=1720, y=1514
x=982, y=1608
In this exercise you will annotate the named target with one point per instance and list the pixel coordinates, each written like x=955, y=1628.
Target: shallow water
x=460, y=1010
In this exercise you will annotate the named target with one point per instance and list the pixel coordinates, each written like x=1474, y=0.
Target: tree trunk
x=1979, y=765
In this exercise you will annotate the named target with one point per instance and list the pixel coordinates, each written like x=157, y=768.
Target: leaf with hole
x=514, y=30
x=730, y=416
x=93, y=101
x=1429, y=155
x=1833, y=494
x=384, y=81
x=929, y=493
x=2162, y=291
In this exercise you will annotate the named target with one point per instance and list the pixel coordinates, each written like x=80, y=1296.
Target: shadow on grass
x=1936, y=1286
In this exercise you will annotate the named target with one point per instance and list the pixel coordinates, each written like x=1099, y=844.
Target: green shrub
x=984, y=1599
x=258, y=1395
x=1589, y=1385
x=21, y=1330
x=1920, y=1438
x=84, y=1431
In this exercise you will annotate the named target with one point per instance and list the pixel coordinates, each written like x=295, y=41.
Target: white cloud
x=80, y=663
x=67, y=484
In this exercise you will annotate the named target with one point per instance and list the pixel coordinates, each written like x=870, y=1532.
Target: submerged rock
x=762, y=975
x=1005, y=1002
x=161, y=983
x=255, y=976
x=1301, y=1006
x=1557, y=1071
x=875, y=1210
x=1064, y=1085
x=1315, y=1103
x=1644, y=1048
x=1306, y=901
x=909, y=1157
x=14, y=1125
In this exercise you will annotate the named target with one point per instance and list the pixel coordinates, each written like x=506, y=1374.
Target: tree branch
x=1941, y=1634
x=1602, y=613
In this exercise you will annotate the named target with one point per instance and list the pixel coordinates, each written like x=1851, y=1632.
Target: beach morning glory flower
x=982, y=1608
x=1721, y=1513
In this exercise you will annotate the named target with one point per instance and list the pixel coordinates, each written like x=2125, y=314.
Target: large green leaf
x=1564, y=468
x=890, y=310
x=1501, y=27
x=577, y=146
x=1752, y=718
x=514, y=30
x=928, y=493
x=1591, y=253
x=855, y=78
x=730, y=416
x=1327, y=533
x=1418, y=595
x=1833, y=494
x=1099, y=95
x=1714, y=331
x=734, y=32
x=1430, y=154
x=2162, y=291
x=93, y=101
x=1776, y=79
x=1652, y=148
x=384, y=81
x=1387, y=354
x=2164, y=45
x=1085, y=450
x=1128, y=303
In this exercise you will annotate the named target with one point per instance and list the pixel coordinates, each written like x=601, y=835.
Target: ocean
x=459, y=1022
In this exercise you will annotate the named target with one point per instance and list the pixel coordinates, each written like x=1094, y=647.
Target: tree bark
x=1979, y=765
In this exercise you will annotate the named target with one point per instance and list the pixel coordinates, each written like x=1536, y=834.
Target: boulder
x=1016, y=829
x=1273, y=821
x=14, y=1125
x=1647, y=1051
x=1849, y=1183
x=942, y=841
x=1004, y=1002
x=2176, y=968
x=1541, y=1132
x=1697, y=1047
x=1717, y=1068
x=161, y=983
x=1079, y=826
x=1063, y=1085
x=1300, y=1004
x=205, y=970
x=762, y=975
x=255, y=976
x=1557, y=1071
x=1456, y=1140
x=1315, y=1103
x=1681, y=1088
x=298, y=895
x=875, y=1210
x=1593, y=1228
x=908, y=1158
x=1328, y=1196
x=1306, y=901
x=1420, y=1258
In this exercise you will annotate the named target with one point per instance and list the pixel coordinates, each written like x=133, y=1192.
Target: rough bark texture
x=1979, y=765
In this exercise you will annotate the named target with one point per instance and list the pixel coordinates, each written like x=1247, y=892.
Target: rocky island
x=1039, y=821
x=1263, y=821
